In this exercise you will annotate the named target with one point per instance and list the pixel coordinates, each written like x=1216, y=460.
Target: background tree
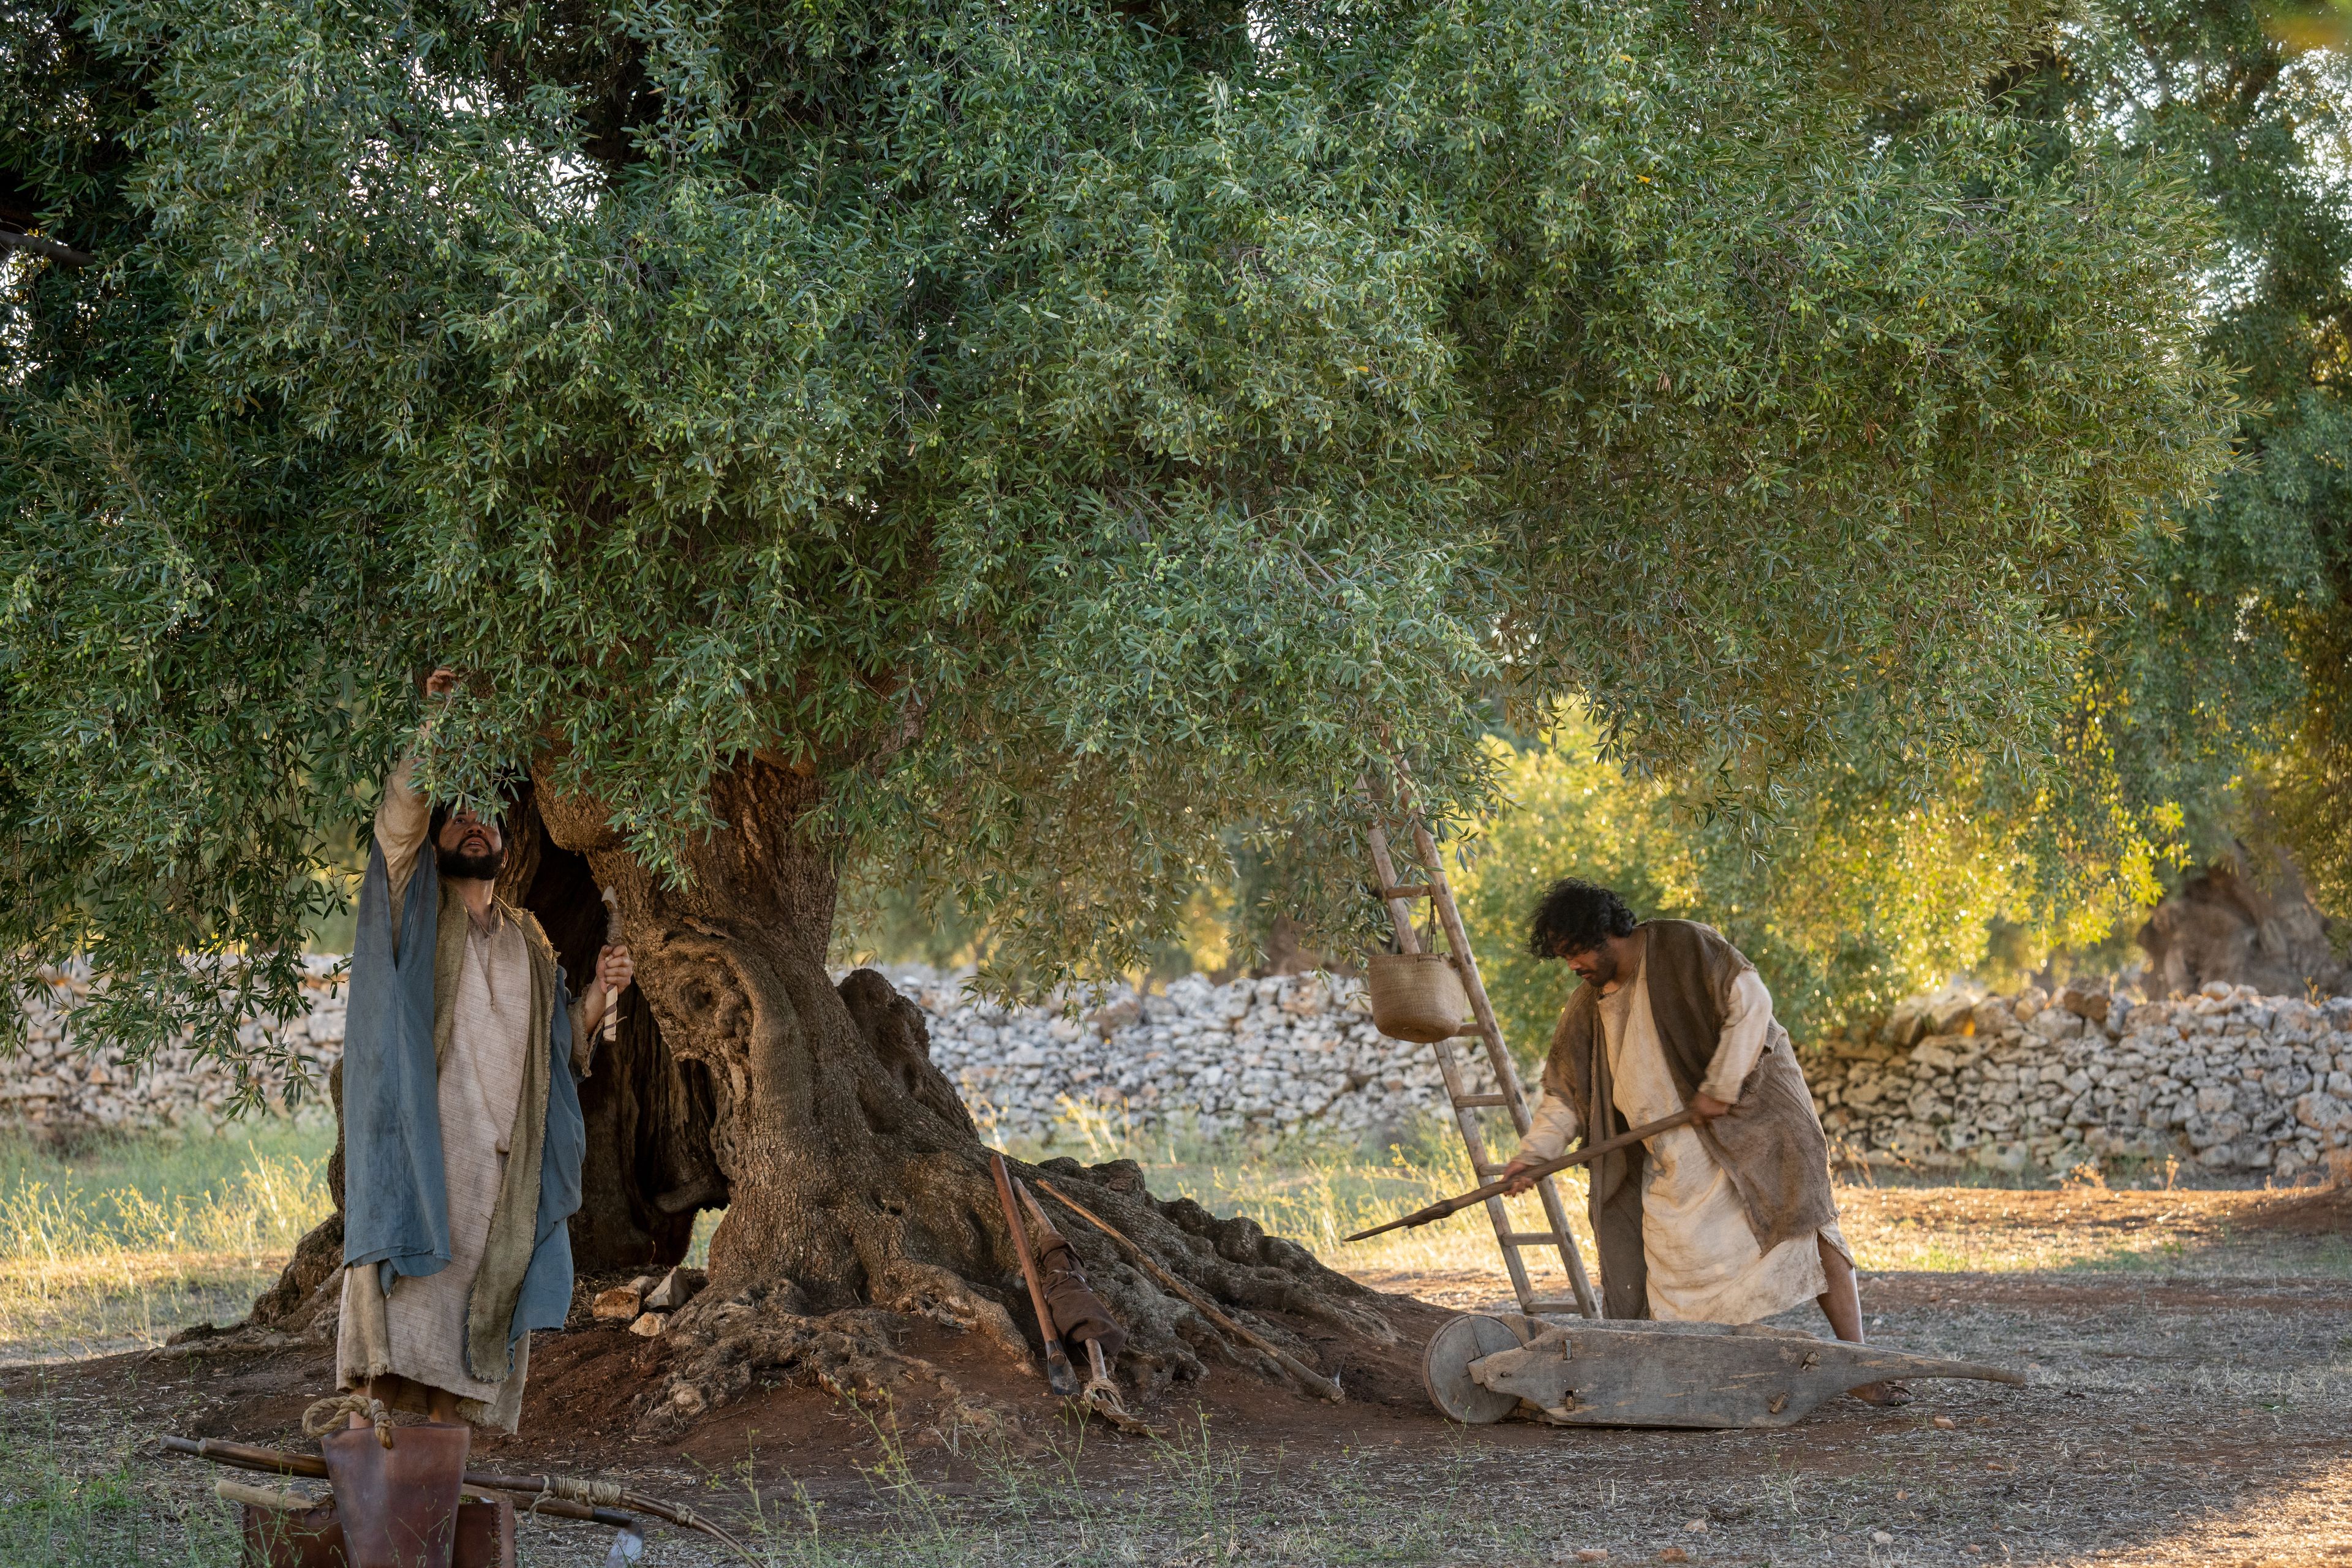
x=1868, y=895
x=1017, y=443
x=2235, y=678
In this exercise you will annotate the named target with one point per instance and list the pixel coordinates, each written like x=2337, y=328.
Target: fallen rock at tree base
x=621, y=1304
x=677, y=1287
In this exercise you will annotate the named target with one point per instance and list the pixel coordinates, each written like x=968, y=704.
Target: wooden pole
x=1493, y=1189
x=1060, y=1375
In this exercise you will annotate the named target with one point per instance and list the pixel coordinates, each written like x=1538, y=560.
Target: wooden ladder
x=1508, y=1096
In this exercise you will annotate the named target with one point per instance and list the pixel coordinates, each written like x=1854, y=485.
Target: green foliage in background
x=253, y=1187
x=1869, y=897
x=2236, y=672
x=1065, y=431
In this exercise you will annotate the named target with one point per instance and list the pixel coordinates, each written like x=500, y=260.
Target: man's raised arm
x=402, y=816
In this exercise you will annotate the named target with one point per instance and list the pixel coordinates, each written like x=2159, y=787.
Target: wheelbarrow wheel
x=1445, y=1369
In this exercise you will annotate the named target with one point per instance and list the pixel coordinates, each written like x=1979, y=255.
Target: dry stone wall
x=1263, y=1055
x=1250, y=1056
x=51, y=1087
x=2227, y=1081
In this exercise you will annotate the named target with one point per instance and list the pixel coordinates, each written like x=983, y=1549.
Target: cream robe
x=1703, y=1260
x=418, y=1331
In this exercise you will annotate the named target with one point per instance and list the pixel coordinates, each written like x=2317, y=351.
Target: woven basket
x=1416, y=995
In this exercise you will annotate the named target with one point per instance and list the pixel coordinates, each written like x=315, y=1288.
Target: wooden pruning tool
x=1060, y=1375
x=1494, y=1189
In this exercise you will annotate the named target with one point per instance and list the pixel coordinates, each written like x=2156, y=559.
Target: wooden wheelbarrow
x=1581, y=1373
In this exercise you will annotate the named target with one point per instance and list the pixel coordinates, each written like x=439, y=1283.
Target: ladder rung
x=1410, y=890
x=1468, y=1035
x=1489, y=1170
x=1535, y=1307
x=1529, y=1238
x=1469, y=1100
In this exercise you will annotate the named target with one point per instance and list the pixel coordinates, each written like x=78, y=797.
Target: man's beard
x=457, y=864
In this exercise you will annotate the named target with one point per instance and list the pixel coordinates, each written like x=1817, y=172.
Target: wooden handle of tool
x=1494, y=1189
x=270, y=1498
x=1322, y=1387
x=1060, y=1375
x=269, y=1461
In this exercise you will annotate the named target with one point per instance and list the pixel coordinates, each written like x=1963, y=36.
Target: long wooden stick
x=1060, y=1375
x=271, y=1462
x=560, y=1495
x=1461, y=1201
x=1322, y=1387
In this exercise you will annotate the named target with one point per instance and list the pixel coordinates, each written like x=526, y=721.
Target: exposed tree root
x=724, y=1349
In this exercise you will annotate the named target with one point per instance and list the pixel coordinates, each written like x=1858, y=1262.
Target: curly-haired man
x=1725, y=1220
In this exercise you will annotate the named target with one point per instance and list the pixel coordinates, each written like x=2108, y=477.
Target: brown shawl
x=1769, y=1144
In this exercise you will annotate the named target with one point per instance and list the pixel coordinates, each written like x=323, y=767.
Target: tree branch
x=64, y=255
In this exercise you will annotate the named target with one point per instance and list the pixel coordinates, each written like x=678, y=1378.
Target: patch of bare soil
x=2170, y=1418
x=2326, y=1212
x=585, y=1398
x=2192, y=1215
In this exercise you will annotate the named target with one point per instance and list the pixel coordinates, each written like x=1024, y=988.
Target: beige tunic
x=418, y=1331
x=1703, y=1260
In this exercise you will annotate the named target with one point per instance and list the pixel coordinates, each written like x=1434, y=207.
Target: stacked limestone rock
x=2234, y=1081
x=1255, y=1056
x=54, y=1087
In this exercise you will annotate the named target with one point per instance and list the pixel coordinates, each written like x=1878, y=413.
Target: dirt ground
x=2190, y=1401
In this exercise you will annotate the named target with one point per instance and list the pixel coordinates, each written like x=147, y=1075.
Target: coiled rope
x=325, y=1415
x=602, y=1494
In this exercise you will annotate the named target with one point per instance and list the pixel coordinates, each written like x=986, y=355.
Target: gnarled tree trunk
x=851, y=1175
x=855, y=1178
x=649, y=1167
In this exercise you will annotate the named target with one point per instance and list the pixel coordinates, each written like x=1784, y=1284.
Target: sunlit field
x=118, y=1243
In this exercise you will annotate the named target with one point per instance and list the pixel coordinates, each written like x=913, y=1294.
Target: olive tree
x=1014, y=442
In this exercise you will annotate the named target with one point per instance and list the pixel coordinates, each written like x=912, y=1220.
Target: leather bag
x=398, y=1502
x=313, y=1537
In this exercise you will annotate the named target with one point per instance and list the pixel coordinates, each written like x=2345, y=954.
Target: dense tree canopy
x=1051, y=433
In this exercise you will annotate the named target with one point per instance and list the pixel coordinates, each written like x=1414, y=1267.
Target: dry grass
x=117, y=1243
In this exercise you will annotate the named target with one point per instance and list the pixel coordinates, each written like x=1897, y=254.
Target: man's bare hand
x=615, y=968
x=1516, y=1179
x=615, y=971
x=1707, y=1108
x=441, y=682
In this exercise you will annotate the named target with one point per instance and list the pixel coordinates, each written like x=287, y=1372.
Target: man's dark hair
x=1574, y=915
x=438, y=819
